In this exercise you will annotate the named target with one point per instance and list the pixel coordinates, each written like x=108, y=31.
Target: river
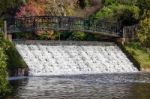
x=96, y=86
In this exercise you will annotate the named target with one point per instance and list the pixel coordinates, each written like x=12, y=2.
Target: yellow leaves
x=47, y=7
x=143, y=32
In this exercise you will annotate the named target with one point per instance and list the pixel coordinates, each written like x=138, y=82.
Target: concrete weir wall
x=73, y=57
x=18, y=72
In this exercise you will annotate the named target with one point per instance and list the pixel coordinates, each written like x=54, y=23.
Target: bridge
x=64, y=23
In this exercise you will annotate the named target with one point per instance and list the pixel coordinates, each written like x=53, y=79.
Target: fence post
x=6, y=35
x=5, y=29
x=123, y=36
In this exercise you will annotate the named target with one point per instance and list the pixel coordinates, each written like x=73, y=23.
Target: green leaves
x=127, y=14
x=14, y=60
x=79, y=36
x=3, y=74
x=3, y=67
x=144, y=4
x=9, y=59
x=8, y=7
x=2, y=59
x=143, y=33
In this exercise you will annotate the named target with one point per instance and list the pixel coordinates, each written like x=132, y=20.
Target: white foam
x=71, y=58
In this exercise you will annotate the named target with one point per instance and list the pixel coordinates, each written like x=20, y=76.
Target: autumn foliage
x=32, y=8
x=47, y=7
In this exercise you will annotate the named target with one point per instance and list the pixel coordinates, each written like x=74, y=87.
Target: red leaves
x=47, y=7
x=32, y=8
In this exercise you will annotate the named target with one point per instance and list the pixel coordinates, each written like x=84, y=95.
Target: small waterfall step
x=73, y=57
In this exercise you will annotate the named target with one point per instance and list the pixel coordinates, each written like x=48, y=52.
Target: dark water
x=99, y=86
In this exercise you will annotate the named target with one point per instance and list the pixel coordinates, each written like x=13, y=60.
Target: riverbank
x=14, y=63
x=11, y=64
x=140, y=54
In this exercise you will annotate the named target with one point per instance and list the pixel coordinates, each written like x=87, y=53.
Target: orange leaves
x=32, y=8
x=47, y=7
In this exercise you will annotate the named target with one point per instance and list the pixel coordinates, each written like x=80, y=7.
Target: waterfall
x=73, y=57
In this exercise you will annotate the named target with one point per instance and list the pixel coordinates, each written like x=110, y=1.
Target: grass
x=140, y=54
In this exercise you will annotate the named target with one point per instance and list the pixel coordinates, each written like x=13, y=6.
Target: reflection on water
x=100, y=86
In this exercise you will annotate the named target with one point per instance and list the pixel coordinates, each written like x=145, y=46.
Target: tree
x=119, y=12
x=84, y=3
x=143, y=32
x=32, y=8
x=47, y=7
x=9, y=7
x=144, y=5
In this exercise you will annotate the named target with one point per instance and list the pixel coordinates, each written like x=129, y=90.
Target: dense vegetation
x=115, y=10
x=140, y=54
x=9, y=7
x=3, y=70
x=9, y=59
x=3, y=74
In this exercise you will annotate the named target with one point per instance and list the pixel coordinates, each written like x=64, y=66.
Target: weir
x=46, y=58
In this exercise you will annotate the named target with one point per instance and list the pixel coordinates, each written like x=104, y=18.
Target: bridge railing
x=58, y=23
x=129, y=32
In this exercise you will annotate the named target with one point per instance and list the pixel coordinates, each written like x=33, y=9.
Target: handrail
x=66, y=23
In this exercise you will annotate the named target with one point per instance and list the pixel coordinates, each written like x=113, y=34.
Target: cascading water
x=70, y=58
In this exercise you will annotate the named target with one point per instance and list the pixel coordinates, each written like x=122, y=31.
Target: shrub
x=144, y=4
x=14, y=59
x=143, y=33
x=3, y=74
x=118, y=12
x=78, y=36
x=82, y=36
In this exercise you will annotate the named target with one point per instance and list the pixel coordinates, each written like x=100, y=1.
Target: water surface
x=96, y=86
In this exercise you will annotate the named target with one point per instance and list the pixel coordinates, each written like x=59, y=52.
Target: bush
x=79, y=36
x=14, y=59
x=117, y=12
x=143, y=33
x=144, y=4
x=3, y=74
